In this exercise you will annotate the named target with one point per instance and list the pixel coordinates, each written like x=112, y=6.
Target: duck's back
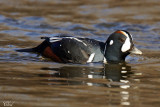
x=77, y=50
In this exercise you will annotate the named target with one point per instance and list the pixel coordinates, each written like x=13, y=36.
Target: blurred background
x=28, y=80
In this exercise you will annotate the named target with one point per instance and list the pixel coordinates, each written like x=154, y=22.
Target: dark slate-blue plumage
x=68, y=49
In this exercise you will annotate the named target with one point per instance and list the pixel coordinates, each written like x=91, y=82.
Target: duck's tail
x=39, y=49
x=26, y=50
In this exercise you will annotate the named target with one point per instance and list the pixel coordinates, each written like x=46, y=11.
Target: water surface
x=26, y=79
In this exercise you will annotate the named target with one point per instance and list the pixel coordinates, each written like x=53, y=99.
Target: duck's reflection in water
x=111, y=75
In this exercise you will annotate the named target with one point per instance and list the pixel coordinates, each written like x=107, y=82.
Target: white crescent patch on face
x=127, y=45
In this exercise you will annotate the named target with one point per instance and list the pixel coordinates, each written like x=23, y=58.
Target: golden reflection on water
x=28, y=80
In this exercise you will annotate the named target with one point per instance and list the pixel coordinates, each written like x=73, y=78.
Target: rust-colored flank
x=50, y=54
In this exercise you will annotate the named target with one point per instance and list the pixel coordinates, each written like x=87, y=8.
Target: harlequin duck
x=69, y=49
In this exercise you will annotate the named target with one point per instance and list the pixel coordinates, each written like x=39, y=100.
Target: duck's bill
x=135, y=51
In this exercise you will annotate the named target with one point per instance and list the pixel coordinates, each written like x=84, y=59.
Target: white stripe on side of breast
x=91, y=57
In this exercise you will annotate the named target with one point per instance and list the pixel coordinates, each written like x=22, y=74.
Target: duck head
x=118, y=46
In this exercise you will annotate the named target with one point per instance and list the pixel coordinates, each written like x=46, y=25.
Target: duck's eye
x=122, y=39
